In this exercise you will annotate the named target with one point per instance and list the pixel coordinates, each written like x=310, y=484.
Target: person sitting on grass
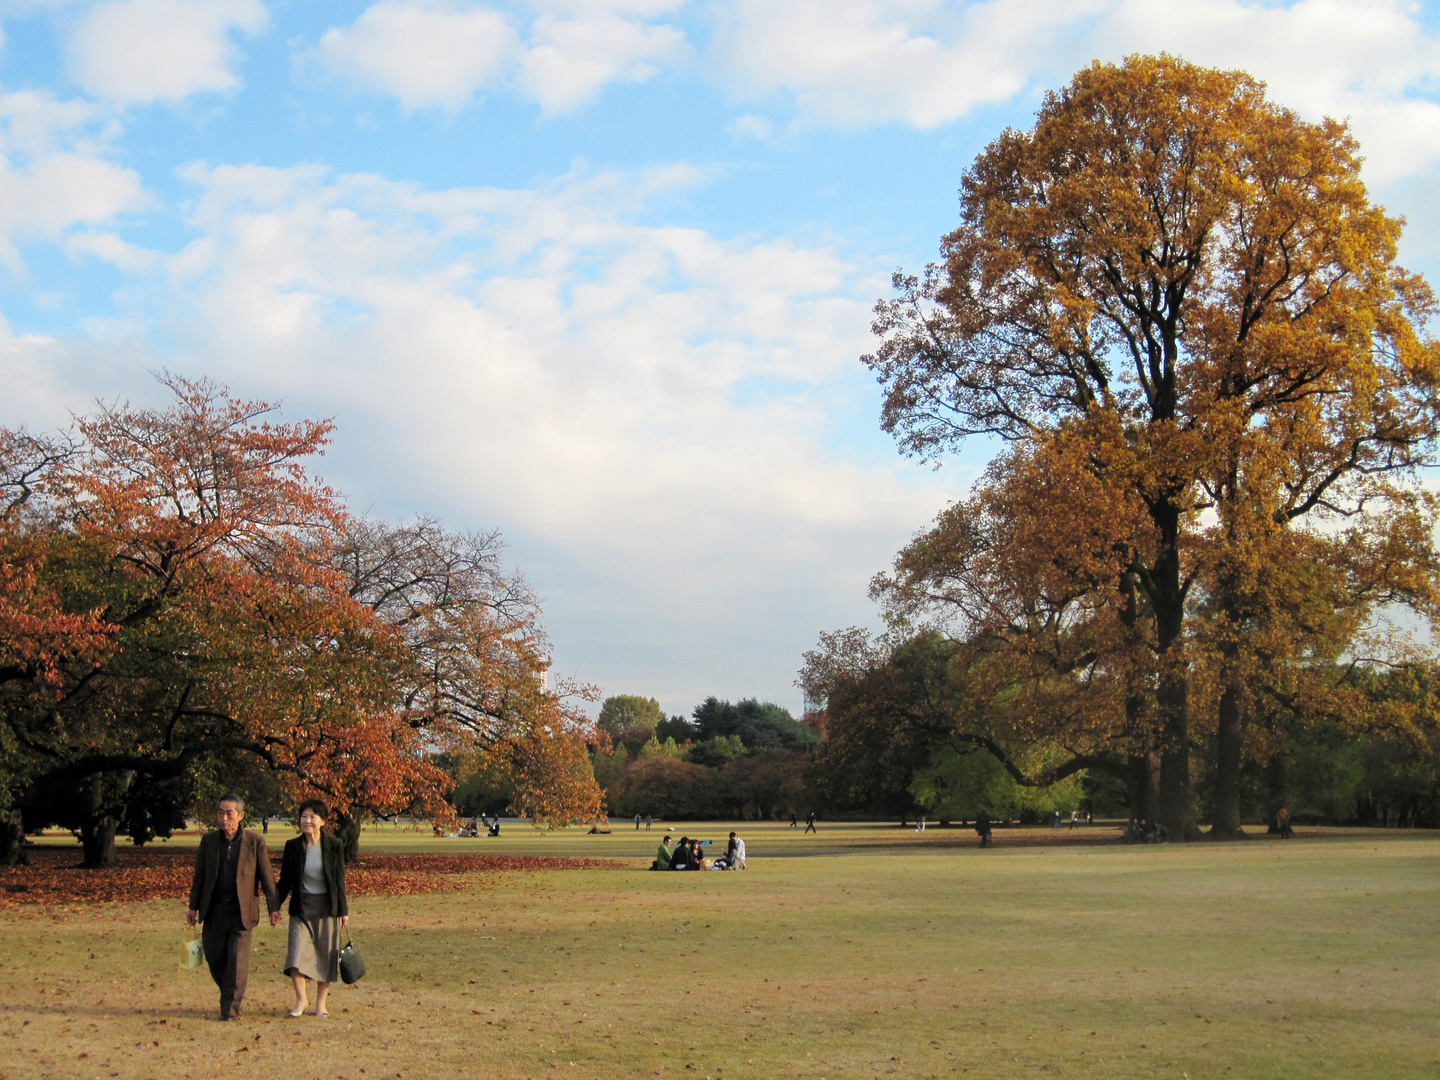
x=697, y=857
x=680, y=858
x=662, y=857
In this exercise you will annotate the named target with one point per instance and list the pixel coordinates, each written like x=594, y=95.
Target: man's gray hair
x=231, y=797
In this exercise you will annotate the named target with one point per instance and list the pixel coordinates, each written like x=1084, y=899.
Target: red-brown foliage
x=54, y=875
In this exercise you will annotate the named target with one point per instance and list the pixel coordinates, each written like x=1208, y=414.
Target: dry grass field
x=863, y=951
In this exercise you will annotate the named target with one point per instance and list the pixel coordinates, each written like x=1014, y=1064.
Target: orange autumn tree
x=1011, y=634
x=474, y=673
x=1188, y=283
x=197, y=534
x=38, y=632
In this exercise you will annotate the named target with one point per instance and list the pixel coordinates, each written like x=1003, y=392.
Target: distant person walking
x=637, y=822
x=982, y=826
x=647, y=822
x=1282, y=823
x=794, y=821
x=920, y=824
x=810, y=823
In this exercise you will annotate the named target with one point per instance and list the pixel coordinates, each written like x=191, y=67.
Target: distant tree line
x=902, y=736
x=742, y=760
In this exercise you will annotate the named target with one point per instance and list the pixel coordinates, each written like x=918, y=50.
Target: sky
x=594, y=273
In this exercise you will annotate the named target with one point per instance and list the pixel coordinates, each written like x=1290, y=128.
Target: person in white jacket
x=735, y=853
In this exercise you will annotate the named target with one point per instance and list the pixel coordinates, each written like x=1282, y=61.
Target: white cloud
x=108, y=247
x=1366, y=60
x=570, y=60
x=142, y=51
x=35, y=395
x=54, y=172
x=431, y=53
x=425, y=54
x=851, y=62
x=929, y=62
x=749, y=126
x=643, y=409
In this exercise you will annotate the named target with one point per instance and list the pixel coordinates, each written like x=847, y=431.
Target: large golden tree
x=1183, y=286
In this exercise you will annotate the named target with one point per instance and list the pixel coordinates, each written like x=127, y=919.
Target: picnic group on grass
x=687, y=855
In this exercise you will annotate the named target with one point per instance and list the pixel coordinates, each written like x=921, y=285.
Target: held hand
x=274, y=917
x=344, y=920
x=191, y=918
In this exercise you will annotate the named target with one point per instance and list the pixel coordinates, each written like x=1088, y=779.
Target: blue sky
x=595, y=273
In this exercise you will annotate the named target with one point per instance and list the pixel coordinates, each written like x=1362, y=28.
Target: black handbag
x=352, y=964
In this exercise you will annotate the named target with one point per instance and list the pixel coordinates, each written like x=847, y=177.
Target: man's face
x=229, y=816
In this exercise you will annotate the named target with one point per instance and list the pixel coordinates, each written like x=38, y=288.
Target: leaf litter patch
x=54, y=875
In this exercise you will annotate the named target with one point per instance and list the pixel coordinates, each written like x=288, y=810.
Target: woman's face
x=311, y=821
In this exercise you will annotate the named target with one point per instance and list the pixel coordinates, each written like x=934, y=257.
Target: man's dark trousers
x=227, y=951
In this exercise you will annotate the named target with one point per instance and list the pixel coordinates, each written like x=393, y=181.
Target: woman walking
x=312, y=874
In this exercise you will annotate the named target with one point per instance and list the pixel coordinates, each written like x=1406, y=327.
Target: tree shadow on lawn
x=959, y=837
x=157, y=1014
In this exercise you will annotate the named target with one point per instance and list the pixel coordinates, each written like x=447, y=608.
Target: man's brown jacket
x=252, y=874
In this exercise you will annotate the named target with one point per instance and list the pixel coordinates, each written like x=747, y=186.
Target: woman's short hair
x=318, y=806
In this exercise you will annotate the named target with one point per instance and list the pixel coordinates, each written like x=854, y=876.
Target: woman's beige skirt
x=314, y=948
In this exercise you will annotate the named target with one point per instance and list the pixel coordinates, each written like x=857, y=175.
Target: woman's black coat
x=332, y=863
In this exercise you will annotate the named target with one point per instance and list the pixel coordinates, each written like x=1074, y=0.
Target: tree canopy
x=1174, y=302
x=758, y=725
x=180, y=595
x=629, y=718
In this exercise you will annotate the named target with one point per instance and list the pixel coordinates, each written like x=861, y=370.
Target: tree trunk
x=98, y=828
x=1177, y=800
x=1172, y=696
x=1230, y=732
x=12, y=840
x=1140, y=782
x=97, y=840
x=347, y=829
x=1141, y=787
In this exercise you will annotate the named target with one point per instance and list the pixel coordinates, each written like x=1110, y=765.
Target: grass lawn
x=863, y=951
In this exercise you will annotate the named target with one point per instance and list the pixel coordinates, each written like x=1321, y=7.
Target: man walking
x=810, y=823
x=231, y=868
x=982, y=826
